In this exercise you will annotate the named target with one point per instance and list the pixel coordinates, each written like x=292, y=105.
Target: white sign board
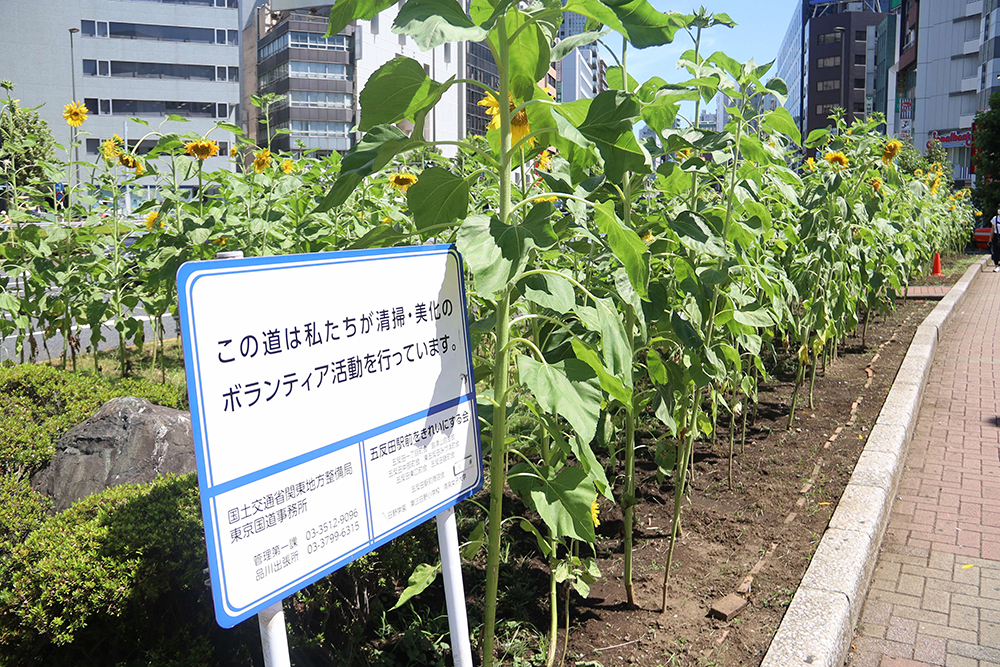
x=333, y=406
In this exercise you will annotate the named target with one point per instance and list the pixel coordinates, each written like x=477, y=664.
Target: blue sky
x=760, y=28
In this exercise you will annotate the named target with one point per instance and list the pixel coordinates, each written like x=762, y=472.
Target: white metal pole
x=273, y=634
x=273, y=637
x=454, y=590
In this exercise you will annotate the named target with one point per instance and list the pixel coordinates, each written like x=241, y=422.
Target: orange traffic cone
x=936, y=271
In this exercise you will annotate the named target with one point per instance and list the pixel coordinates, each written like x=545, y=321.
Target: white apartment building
x=142, y=58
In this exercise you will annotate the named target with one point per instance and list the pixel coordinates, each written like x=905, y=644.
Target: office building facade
x=145, y=59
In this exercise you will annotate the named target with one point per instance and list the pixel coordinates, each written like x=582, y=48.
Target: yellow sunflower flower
x=594, y=513
x=109, y=149
x=876, y=184
x=918, y=173
x=201, y=149
x=979, y=214
x=234, y=151
x=837, y=159
x=935, y=184
x=261, y=160
x=519, y=127
x=649, y=238
x=75, y=113
x=539, y=200
x=131, y=162
x=544, y=161
x=402, y=181
x=287, y=166
x=151, y=220
x=810, y=164
x=891, y=150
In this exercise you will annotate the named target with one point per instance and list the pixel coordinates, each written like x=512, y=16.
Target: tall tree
x=987, y=159
x=26, y=147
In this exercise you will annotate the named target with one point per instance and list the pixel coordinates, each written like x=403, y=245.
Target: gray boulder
x=129, y=440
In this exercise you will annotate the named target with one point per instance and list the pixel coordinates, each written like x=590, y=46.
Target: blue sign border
x=187, y=275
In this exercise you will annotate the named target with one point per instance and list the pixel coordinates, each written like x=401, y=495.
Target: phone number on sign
x=333, y=530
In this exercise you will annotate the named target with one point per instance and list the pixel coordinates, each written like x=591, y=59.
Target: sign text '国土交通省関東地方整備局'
x=333, y=405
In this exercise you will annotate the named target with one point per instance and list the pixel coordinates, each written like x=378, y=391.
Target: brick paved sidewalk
x=935, y=594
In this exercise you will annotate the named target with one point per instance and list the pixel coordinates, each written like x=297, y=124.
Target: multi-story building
x=321, y=78
x=839, y=46
x=950, y=71
x=480, y=66
x=146, y=59
x=581, y=74
x=790, y=64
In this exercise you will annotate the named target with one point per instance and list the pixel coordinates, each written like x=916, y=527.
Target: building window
x=135, y=70
x=859, y=107
x=222, y=4
x=832, y=84
x=825, y=109
x=315, y=128
x=304, y=70
x=279, y=44
x=158, y=108
x=860, y=35
x=319, y=100
x=832, y=61
x=447, y=52
x=859, y=84
x=315, y=40
x=375, y=24
x=164, y=33
x=859, y=59
x=829, y=38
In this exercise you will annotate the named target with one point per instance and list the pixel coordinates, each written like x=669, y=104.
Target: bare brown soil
x=786, y=484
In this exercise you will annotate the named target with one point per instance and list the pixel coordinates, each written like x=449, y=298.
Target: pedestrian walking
x=995, y=241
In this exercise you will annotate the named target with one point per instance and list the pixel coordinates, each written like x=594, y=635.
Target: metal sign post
x=333, y=408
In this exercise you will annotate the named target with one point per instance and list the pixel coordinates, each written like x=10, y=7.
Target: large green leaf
x=529, y=53
x=608, y=124
x=782, y=122
x=360, y=162
x=604, y=319
x=345, y=11
x=433, y=22
x=549, y=291
x=569, y=388
x=567, y=45
x=497, y=253
x=561, y=498
x=638, y=20
x=693, y=233
x=391, y=91
x=614, y=386
x=626, y=245
x=437, y=198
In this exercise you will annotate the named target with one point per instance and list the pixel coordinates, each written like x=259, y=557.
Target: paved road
x=935, y=595
x=52, y=347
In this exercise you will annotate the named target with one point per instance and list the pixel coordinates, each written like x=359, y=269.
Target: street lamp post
x=72, y=73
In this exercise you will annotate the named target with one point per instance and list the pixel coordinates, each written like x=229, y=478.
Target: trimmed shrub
x=38, y=404
x=117, y=580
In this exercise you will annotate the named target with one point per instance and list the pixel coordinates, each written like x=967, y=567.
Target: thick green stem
x=628, y=496
x=683, y=457
x=498, y=450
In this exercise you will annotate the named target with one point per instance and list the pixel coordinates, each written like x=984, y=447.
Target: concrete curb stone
x=819, y=624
